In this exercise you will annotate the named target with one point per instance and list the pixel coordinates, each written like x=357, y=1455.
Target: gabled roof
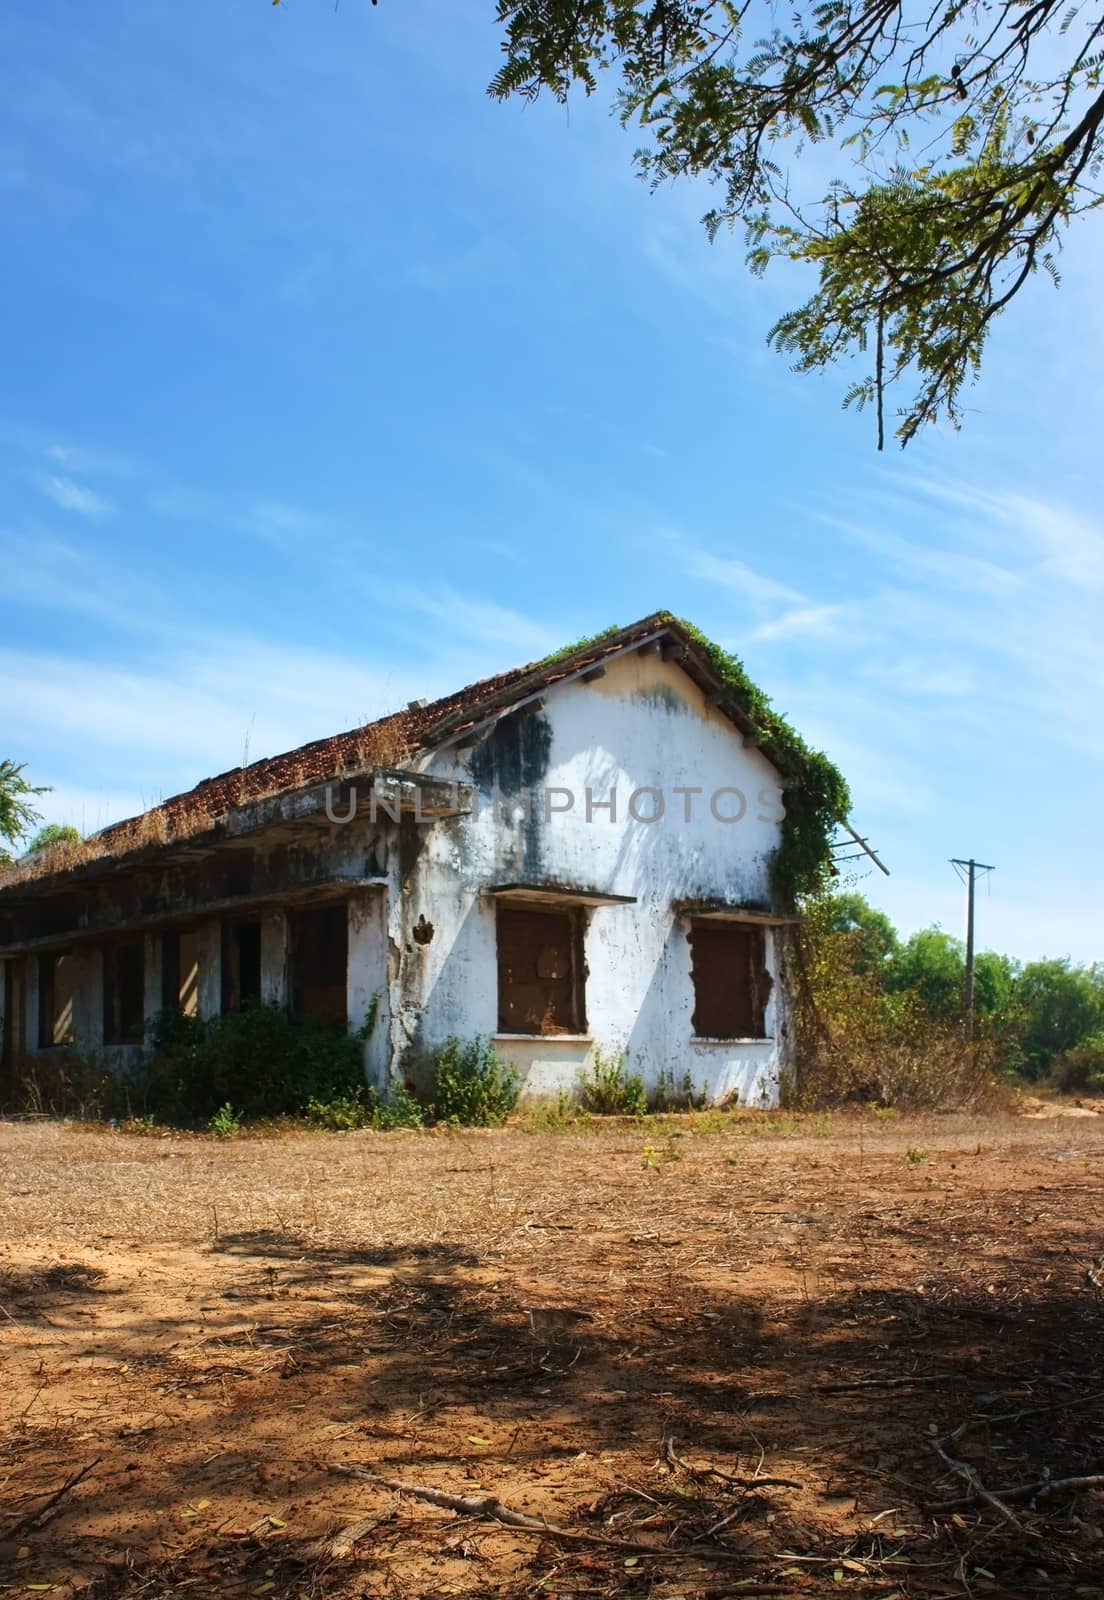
x=398, y=739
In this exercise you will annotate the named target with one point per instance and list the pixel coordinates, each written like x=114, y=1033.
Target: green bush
x=472, y=1085
x=401, y=1109
x=1080, y=1070
x=363, y=1108
x=257, y=1059
x=358, y=1108
x=226, y=1122
x=669, y=1096
x=605, y=1089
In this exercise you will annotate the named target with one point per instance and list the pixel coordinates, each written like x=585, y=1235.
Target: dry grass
x=537, y=1316
x=382, y=744
x=152, y=828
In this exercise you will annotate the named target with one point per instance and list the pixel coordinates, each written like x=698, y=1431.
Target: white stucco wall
x=644, y=725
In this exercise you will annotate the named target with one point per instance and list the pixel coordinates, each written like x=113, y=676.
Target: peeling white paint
x=422, y=948
x=643, y=725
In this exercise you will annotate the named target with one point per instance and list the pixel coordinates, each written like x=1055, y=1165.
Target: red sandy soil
x=723, y=1356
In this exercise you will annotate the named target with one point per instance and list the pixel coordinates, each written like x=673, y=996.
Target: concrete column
x=209, y=1002
x=30, y=1003
x=88, y=979
x=151, y=969
x=274, y=959
x=367, y=978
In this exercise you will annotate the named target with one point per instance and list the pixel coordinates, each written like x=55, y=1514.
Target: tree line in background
x=879, y=1018
x=882, y=1018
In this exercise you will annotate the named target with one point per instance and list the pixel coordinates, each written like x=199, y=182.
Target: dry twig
x=36, y=1519
x=491, y=1508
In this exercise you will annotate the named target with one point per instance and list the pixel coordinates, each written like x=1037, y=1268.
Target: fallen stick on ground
x=962, y=1469
x=34, y=1519
x=1023, y=1491
x=491, y=1508
x=470, y=1505
x=673, y=1459
x=1042, y=1410
x=882, y=1383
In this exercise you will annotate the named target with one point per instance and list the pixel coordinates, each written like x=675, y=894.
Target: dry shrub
x=382, y=744
x=68, y=1084
x=152, y=828
x=856, y=1042
x=1080, y=1070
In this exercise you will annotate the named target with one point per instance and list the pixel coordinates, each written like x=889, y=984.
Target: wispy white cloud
x=69, y=495
x=821, y=622
x=276, y=521
x=184, y=712
x=474, y=619
x=45, y=573
x=1069, y=544
x=919, y=675
x=737, y=576
x=95, y=463
x=953, y=569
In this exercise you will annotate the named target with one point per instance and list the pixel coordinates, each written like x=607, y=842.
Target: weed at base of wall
x=607, y=1090
x=472, y=1085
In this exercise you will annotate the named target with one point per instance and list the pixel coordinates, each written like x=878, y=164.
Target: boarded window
x=320, y=963
x=540, y=970
x=124, y=992
x=180, y=972
x=55, y=999
x=731, y=981
x=241, y=964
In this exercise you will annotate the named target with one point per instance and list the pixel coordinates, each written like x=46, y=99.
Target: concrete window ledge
x=726, y=1044
x=542, y=1038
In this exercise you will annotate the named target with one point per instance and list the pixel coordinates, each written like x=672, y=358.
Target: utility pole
x=968, y=871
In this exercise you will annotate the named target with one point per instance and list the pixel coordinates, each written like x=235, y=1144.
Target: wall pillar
x=151, y=967
x=209, y=998
x=274, y=958
x=367, y=980
x=30, y=1003
x=88, y=980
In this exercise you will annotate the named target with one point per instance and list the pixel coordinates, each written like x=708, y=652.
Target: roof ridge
x=392, y=735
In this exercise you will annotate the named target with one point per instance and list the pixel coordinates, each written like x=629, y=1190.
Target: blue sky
x=327, y=382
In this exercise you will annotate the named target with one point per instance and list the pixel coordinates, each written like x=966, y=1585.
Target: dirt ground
x=761, y=1356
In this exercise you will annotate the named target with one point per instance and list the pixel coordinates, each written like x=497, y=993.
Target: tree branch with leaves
x=17, y=811
x=917, y=255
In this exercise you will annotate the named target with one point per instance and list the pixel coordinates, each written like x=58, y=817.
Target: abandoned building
x=569, y=857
